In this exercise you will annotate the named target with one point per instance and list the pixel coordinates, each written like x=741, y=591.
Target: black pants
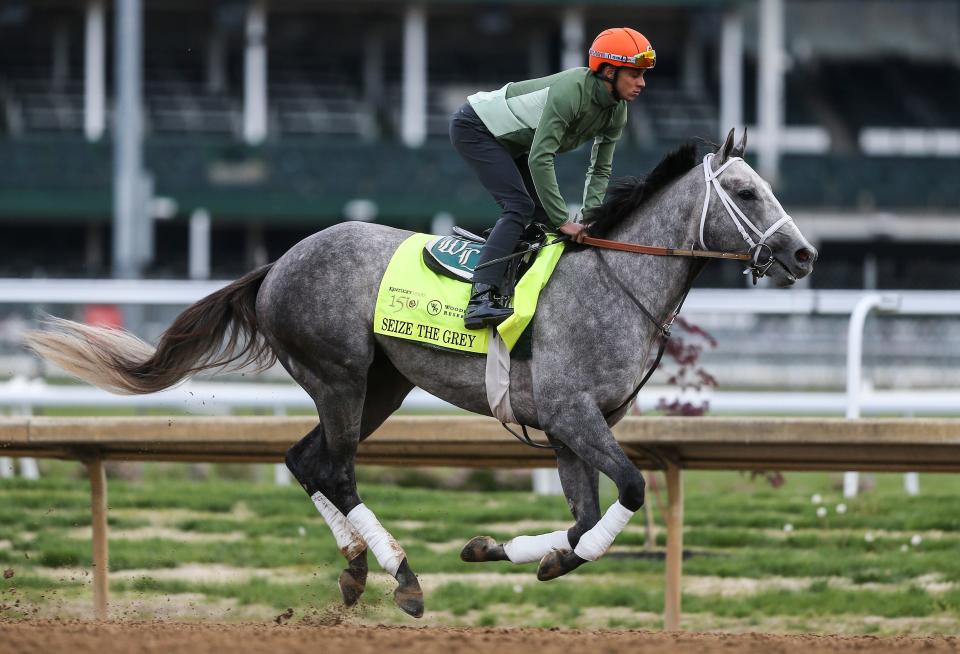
x=508, y=181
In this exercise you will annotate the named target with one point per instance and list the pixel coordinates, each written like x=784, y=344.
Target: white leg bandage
x=598, y=540
x=348, y=539
x=388, y=551
x=526, y=549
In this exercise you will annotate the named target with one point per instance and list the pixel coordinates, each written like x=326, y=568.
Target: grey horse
x=313, y=309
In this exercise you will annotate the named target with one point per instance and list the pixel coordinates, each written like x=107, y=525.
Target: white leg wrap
x=526, y=549
x=348, y=539
x=388, y=551
x=598, y=540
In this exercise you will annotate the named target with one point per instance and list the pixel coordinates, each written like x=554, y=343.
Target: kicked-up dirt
x=82, y=637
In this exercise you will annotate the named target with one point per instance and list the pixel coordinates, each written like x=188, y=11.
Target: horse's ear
x=741, y=147
x=726, y=148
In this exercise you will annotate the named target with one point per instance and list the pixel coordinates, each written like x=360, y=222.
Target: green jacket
x=554, y=114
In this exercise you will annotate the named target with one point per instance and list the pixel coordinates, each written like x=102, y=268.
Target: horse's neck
x=671, y=219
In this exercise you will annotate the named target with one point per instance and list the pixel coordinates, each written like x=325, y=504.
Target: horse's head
x=740, y=212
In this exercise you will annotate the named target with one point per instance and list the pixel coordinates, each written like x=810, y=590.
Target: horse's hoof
x=558, y=563
x=410, y=601
x=351, y=588
x=482, y=548
x=408, y=595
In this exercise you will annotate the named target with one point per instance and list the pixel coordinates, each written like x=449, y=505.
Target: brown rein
x=662, y=251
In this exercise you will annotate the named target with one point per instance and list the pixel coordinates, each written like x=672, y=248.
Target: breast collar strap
x=759, y=266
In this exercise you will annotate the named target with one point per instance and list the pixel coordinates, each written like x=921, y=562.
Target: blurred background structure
x=173, y=140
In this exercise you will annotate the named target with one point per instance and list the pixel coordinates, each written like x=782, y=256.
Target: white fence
x=739, y=301
x=27, y=397
x=198, y=397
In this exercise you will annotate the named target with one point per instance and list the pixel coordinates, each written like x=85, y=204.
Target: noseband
x=761, y=254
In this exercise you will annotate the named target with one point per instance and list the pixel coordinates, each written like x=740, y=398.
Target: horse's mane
x=626, y=194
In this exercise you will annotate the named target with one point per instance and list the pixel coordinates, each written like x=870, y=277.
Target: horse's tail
x=219, y=330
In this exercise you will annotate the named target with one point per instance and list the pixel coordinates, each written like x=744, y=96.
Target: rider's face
x=630, y=83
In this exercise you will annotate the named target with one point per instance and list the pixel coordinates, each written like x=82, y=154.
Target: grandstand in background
x=279, y=118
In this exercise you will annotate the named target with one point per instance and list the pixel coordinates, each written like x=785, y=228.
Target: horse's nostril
x=804, y=255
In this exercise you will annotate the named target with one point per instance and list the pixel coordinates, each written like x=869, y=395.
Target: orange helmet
x=622, y=46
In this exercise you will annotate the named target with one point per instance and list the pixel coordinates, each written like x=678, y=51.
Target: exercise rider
x=510, y=137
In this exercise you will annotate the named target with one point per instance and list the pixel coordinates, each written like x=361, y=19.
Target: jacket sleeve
x=601, y=164
x=562, y=105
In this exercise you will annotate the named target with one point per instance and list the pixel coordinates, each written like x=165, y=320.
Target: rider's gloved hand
x=575, y=231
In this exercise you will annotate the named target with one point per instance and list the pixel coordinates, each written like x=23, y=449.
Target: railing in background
x=280, y=398
x=672, y=444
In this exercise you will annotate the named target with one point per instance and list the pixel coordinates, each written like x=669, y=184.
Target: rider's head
x=619, y=56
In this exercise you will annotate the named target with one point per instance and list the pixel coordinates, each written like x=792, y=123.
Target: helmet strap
x=612, y=81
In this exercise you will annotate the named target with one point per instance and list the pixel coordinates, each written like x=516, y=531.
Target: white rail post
x=129, y=210
x=731, y=72
x=31, y=471
x=413, y=119
x=858, y=318
x=574, y=52
x=770, y=69
x=281, y=476
x=199, y=246
x=28, y=465
x=911, y=480
x=255, y=74
x=911, y=483
x=546, y=481
x=94, y=71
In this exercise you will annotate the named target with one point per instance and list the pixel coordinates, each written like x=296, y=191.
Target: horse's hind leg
x=580, y=483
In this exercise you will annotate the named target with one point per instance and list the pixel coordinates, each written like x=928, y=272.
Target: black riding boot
x=485, y=307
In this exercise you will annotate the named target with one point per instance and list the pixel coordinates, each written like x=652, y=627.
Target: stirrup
x=485, y=308
x=478, y=320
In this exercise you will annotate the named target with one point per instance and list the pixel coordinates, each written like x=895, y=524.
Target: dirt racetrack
x=80, y=637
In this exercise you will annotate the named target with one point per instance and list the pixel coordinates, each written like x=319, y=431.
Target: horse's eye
x=746, y=194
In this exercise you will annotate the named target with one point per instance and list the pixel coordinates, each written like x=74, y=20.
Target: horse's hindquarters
x=317, y=302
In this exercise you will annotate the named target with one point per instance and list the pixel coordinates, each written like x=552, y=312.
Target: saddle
x=456, y=256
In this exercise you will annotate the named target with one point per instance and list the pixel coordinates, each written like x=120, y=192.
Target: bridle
x=758, y=248
x=759, y=255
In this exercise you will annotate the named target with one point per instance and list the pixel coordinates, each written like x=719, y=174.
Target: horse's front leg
x=591, y=439
x=580, y=484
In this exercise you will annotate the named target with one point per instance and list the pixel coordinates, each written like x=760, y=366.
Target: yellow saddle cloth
x=416, y=304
